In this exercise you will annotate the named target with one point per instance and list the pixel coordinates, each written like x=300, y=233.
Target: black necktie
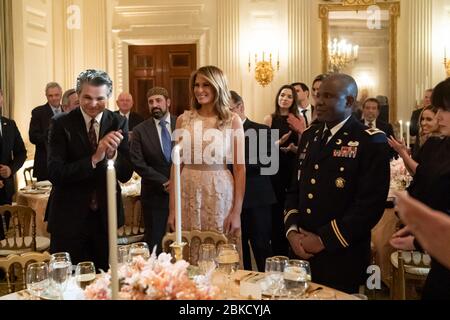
x=93, y=204
x=93, y=135
x=304, y=116
x=370, y=124
x=325, y=135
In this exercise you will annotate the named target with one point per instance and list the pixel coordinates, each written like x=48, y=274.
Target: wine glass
x=85, y=274
x=297, y=275
x=37, y=279
x=60, y=270
x=207, y=256
x=139, y=249
x=227, y=261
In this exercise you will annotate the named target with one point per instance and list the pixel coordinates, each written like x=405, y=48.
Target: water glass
x=227, y=262
x=274, y=275
x=37, y=279
x=60, y=270
x=297, y=275
x=85, y=274
x=207, y=258
x=139, y=249
x=123, y=254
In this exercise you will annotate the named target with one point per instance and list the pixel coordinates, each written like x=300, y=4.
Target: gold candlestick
x=178, y=250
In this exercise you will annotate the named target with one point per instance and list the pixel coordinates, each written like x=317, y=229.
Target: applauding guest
x=80, y=144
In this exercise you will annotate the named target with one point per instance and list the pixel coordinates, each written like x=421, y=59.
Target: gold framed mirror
x=371, y=26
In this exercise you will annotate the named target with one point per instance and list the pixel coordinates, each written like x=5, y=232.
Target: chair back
x=133, y=230
x=28, y=176
x=194, y=239
x=19, y=229
x=15, y=267
x=408, y=265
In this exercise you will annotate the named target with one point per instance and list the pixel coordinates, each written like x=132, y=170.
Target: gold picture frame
x=393, y=7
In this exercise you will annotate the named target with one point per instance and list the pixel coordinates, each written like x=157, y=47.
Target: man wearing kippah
x=151, y=149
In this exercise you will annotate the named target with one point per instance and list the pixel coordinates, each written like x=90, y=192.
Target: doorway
x=168, y=66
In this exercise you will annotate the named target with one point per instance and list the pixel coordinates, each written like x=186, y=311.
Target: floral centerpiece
x=154, y=279
x=400, y=177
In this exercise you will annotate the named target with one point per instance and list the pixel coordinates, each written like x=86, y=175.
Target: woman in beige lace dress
x=211, y=196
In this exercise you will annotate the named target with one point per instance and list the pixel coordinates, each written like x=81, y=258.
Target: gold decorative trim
x=287, y=214
x=358, y=5
x=358, y=2
x=338, y=234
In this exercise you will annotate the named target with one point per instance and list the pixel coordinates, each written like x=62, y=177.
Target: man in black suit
x=150, y=154
x=39, y=125
x=12, y=157
x=256, y=216
x=80, y=144
x=339, y=189
x=370, y=113
x=125, y=103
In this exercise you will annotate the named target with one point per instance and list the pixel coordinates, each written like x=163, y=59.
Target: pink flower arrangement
x=400, y=177
x=154, y=279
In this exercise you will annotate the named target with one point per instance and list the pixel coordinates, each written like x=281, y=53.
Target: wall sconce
x=264, y=70
x=341, y=54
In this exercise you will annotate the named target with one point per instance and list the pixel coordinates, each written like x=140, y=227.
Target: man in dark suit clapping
x=152, y=162
x=80, y=144
x=256, y=217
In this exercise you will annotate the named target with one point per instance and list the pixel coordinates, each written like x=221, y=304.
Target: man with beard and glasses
x=151, y=149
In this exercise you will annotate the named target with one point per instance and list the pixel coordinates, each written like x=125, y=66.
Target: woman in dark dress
x=431, y=185
x=285, y=104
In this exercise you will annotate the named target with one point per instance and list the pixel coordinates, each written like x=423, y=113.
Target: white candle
x=407, y=133
x=177, y=188
x=401, y=130
x=112, y=226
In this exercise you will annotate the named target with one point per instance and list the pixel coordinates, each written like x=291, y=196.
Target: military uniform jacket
x=339, y=193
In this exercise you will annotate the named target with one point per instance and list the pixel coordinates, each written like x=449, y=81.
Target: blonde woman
x=211, y=196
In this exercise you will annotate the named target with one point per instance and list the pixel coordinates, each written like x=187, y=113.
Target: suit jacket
x=339, y=193
x=13, y=154
x=415, y=122
x=73, y=177
x=38, y=132
x=133, y=119
x=149, y=162
x=258, y=188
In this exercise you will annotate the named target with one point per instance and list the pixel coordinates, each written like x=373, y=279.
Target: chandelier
x=264, y=70
x=341, y=54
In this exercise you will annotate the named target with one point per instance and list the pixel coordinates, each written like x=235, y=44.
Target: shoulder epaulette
x=373, y=131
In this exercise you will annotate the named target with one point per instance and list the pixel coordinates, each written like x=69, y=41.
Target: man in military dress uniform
x=339, y=191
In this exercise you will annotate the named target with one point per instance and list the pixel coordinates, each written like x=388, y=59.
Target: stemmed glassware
x=60, y=269
x=139, y=249
x=85, y=274
x=37, y=279
x=227, y=261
